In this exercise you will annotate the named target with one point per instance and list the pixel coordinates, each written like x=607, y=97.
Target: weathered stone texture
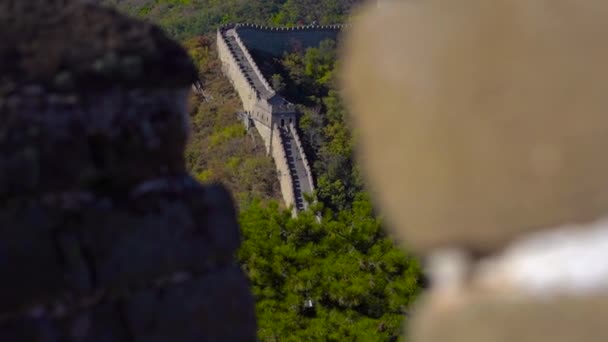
x=103, y=235
x=65, y=255
x=68, y=45
x=276, y=41
x=110, y=139
x=164, y=256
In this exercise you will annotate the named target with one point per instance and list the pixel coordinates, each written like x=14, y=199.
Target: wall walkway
x=298, y=171
x=273, y=116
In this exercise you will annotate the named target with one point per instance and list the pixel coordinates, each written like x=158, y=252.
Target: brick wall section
x=276, y=40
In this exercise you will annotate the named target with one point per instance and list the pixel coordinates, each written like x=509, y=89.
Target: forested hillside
x=361, y=284
x=336, y=279
x=339, y=278
x=186, y=18
x=220, y=150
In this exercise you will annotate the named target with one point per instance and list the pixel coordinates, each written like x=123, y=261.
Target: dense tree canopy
x=335, y=279
x=187, y=18
x=335, y=255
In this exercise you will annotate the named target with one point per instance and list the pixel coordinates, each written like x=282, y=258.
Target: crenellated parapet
x=315, y=27
x=254, y=65
x=300, y=148
x=277, y=40
x=282, y=166
x=235, y=70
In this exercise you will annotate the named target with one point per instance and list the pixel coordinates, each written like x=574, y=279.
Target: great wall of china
x=274, y=117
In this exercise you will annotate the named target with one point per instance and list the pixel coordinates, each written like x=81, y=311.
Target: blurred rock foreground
x=482, y=127
x=103, y=235
x=482, y=130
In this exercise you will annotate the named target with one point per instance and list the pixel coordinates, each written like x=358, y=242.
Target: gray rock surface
x=103, y=234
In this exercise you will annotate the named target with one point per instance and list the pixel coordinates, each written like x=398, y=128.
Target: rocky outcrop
x=103, y=234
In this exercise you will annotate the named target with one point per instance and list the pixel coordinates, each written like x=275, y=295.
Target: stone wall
x=300, y=147
x=285, y=179
x=252, y=62
x=245, y=89
x=258, y=107
x=269, y=110
x=266, y=134
x=262, y=113
x=276, y=40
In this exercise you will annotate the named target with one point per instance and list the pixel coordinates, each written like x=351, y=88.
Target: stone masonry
x=273, y=116
x=103, y=234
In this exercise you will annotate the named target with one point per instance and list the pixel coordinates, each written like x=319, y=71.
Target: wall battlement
x=300, y=147
x=274, y=117
x=337, y=27
x=277, y=40
x=234, y=70
x=256, y=69
x=282, y=167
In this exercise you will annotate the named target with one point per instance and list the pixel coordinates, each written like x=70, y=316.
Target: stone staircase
x=247, y=68
x=301, y=183
x=265, y=113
